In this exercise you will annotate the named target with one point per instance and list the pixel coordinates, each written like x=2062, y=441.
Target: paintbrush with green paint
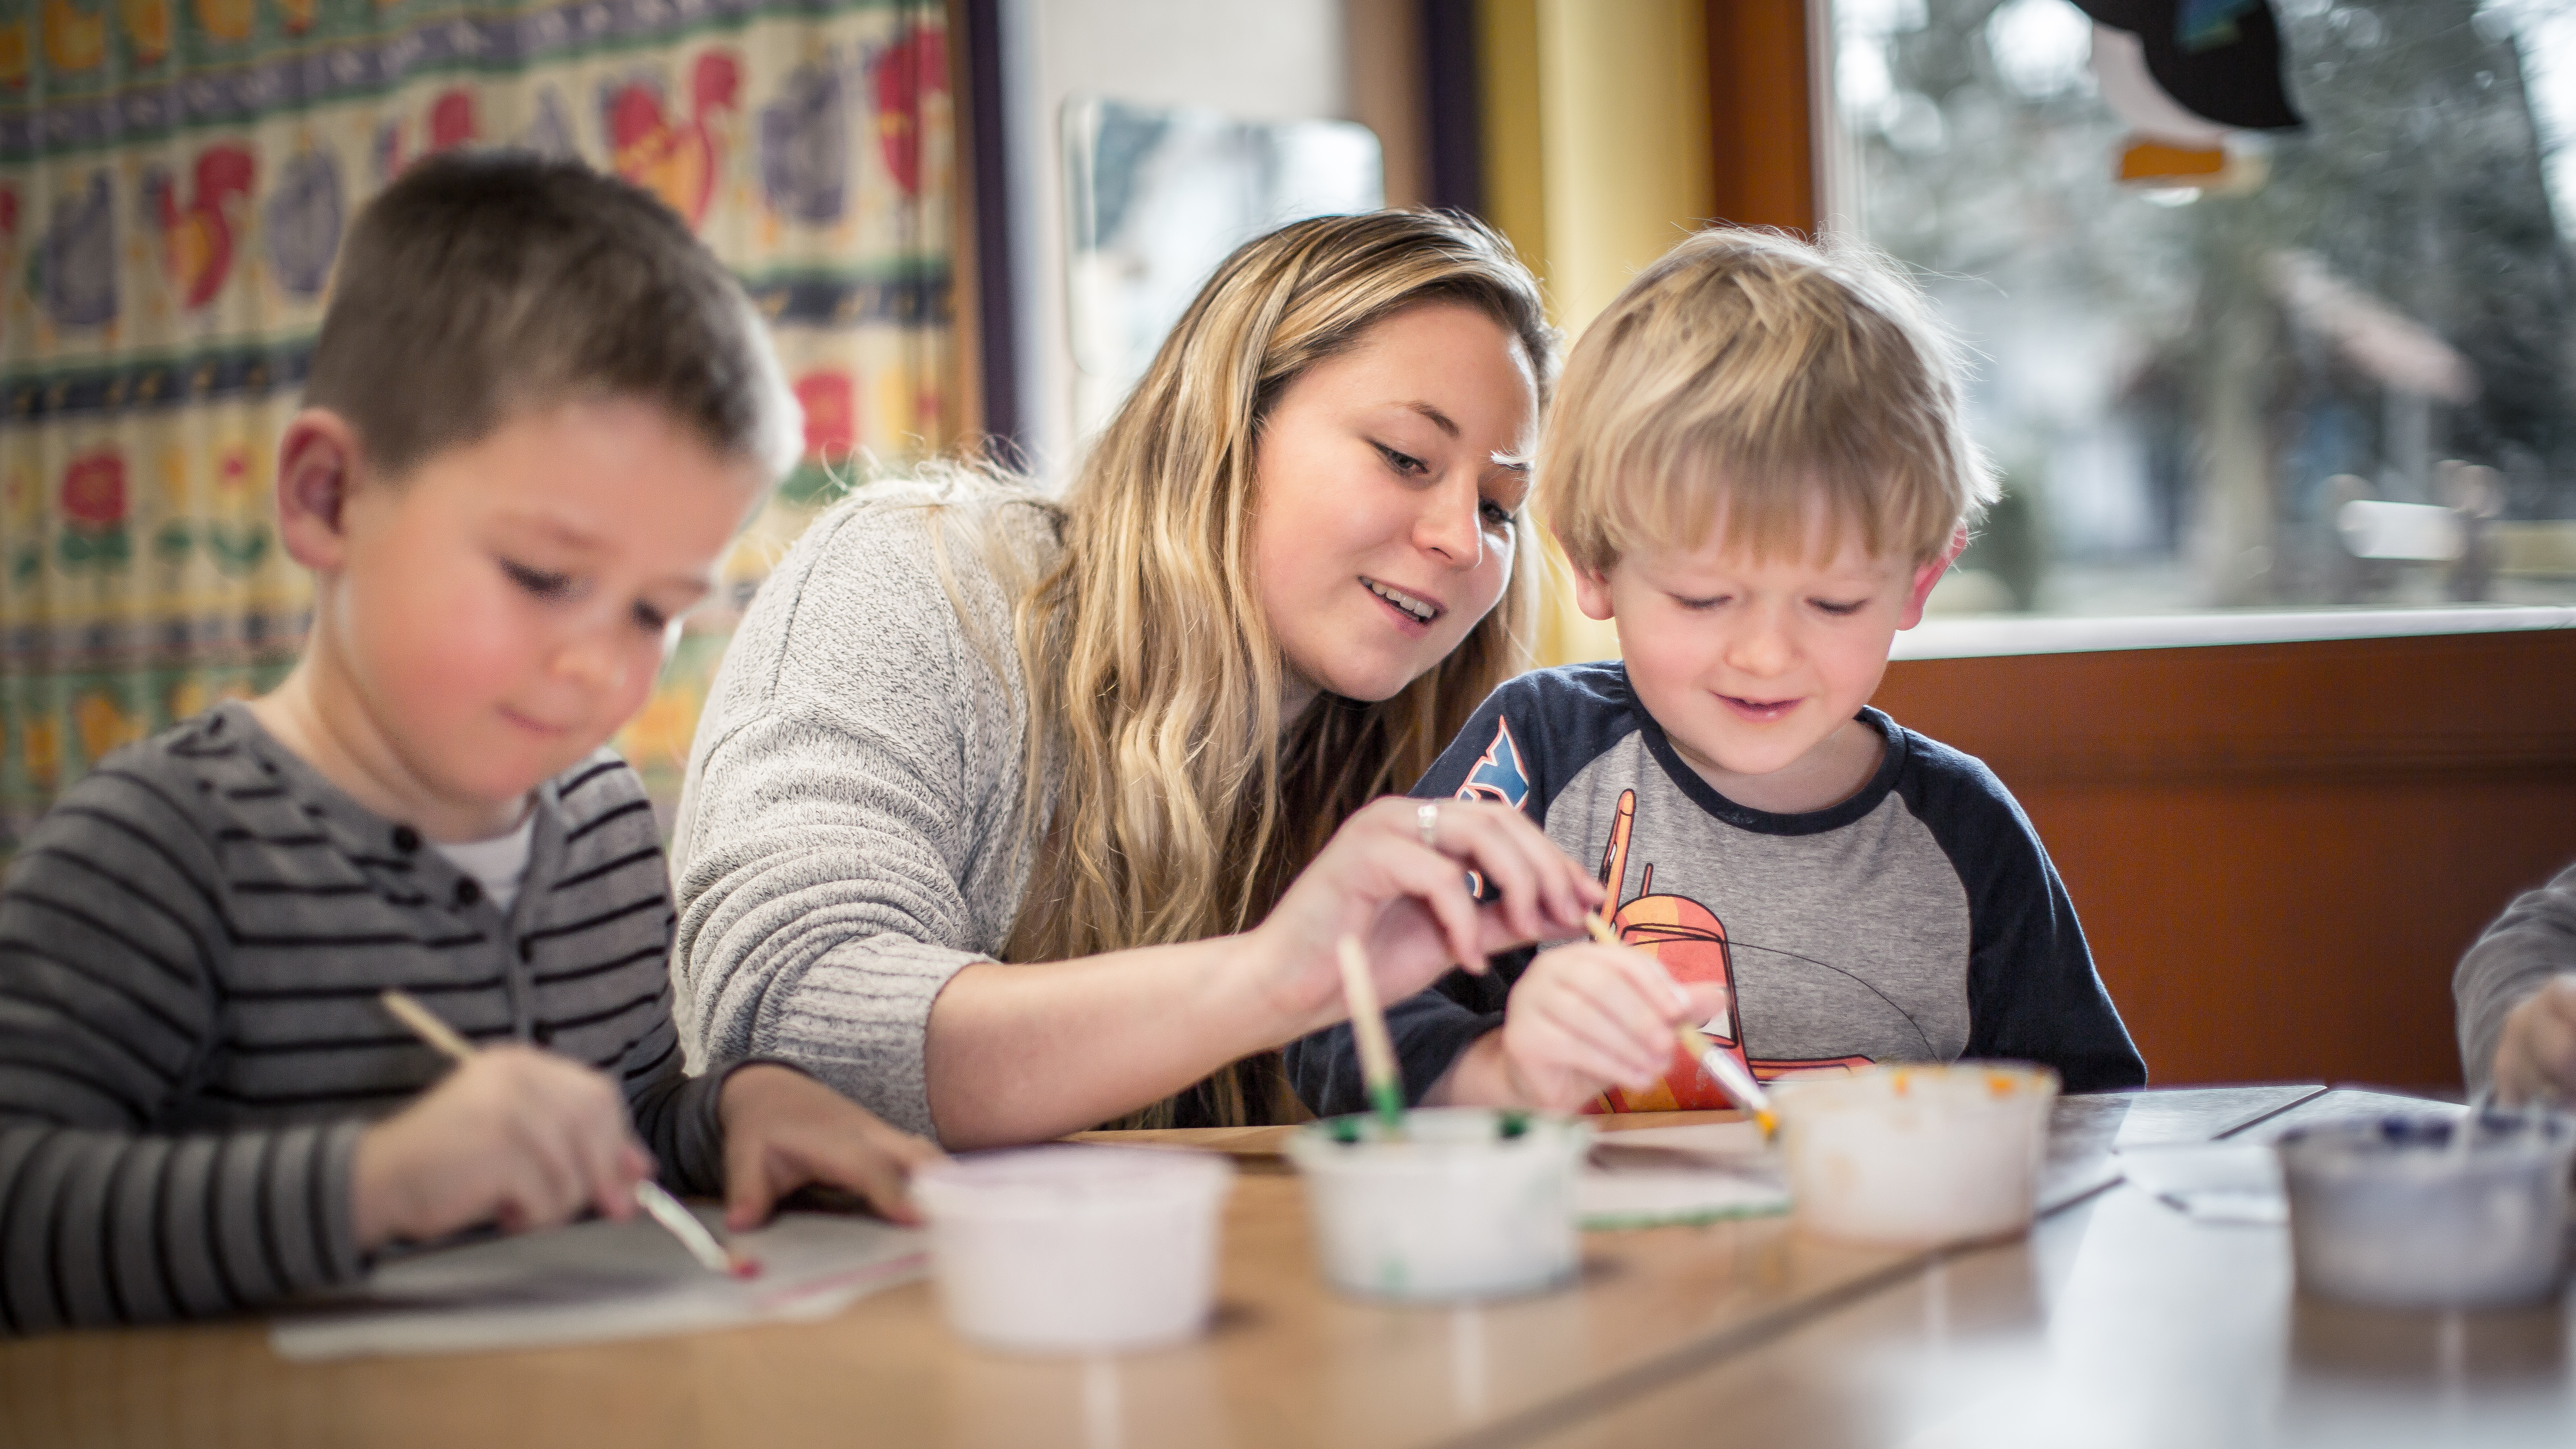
x=1377, y=1052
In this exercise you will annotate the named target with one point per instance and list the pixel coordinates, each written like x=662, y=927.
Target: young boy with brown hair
x=1757, y=467
x=538, y=413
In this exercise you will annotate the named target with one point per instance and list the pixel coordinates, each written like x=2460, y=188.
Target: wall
x=2279, y=851
x=1763, y=111
x=1598, y=149
x=1257, y=59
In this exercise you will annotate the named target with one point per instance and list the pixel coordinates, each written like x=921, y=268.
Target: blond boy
x=1757, y=467
x=538, y=413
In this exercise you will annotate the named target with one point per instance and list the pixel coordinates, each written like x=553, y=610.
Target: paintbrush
x=649, y=1195
x=1377, y=1052
x=1720, y=1064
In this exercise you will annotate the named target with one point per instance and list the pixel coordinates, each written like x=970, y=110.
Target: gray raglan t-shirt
x=2533, y=941
x=1917, y=921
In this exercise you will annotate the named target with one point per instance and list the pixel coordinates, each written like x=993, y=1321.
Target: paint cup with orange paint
x=1916, y=1156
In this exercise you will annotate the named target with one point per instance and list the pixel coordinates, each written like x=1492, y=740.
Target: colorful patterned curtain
x=175, y=176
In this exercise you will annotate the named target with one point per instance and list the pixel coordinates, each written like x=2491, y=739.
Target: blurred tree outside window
x=2343, y=372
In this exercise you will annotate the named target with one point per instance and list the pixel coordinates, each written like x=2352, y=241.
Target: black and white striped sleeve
x=675, y=1114
x=110, y=923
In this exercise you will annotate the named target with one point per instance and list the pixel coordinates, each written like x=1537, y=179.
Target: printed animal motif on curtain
x=74, y=273
x=302, y=222
x=16, y=55
x=197, y=223
x=676, y=158
x=93, y=502
x=804, y=143
x=147, y=30
x=904, y=75
x=228, y=21
x=75, y=39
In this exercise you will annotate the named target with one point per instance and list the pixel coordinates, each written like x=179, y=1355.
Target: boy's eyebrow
x=548, y=523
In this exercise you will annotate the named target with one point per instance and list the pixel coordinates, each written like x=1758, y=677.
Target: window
x=2275, y=369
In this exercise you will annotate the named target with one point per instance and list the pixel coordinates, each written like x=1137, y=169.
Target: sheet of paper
x=598, y=1281
x=2218, y=1182
x=1718, y=1137
x=1657, y=1176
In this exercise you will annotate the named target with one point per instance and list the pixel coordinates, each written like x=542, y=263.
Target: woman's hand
x=2536, y=1055
x=1379, y=880
x=516, y=1136
x=1023, y=1053
x=783, y=1130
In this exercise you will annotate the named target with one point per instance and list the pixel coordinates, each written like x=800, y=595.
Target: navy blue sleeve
x=1429, y=1028
x=2033, y=994
x=1499, y=756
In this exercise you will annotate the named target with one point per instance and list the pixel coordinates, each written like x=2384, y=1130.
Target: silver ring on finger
x=1426, y=823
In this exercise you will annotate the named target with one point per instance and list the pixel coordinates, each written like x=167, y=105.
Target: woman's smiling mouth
x=1413, y=607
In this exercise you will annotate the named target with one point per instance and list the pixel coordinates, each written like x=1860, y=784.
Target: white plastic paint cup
x=2391, y=1211
x=1470, y=1203
x=1068, y=1248
x=1916, y=1156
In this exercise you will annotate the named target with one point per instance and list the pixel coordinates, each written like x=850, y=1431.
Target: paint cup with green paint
x=1469, y=1203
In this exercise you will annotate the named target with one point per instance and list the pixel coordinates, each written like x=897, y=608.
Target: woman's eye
x=1404, y=463
x=1497, y=517
x=537, y=581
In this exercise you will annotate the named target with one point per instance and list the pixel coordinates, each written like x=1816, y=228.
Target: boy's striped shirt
x=191, y=948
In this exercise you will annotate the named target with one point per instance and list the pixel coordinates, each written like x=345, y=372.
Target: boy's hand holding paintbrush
x=515, y=1135
x=1584, y=1018
x=524, y=1138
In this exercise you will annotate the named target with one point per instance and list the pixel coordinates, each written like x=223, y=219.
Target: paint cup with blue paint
x=2428, y=1209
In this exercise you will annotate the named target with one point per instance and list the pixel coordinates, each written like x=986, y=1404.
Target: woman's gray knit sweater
x=849, y=834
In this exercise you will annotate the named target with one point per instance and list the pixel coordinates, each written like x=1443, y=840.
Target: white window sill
x=1986, y=636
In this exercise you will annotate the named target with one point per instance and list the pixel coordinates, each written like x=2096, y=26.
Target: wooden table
x=2121, y=1322
x=2118, y=1321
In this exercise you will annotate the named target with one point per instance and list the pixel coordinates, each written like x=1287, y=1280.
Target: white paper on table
x=598, y=1281
x=2216, y=1182
x=1657, y=1176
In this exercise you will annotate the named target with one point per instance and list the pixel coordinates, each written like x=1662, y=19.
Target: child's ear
x=1929, y=573
x=317, y=469
x=1591, y=587
x=1592, y=592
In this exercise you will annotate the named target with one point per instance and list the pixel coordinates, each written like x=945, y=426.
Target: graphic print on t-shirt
x=1690, y=941
x=1499, y=775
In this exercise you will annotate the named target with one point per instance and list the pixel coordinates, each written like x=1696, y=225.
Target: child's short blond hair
x=1781, y=384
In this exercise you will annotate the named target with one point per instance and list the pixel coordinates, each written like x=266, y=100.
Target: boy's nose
x=1761, y=647
x=591, y=662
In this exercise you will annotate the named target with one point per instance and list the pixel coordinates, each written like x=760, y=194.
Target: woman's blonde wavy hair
x=1185, y=804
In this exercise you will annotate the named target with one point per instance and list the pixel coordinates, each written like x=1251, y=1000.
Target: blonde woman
x=1127, y=743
